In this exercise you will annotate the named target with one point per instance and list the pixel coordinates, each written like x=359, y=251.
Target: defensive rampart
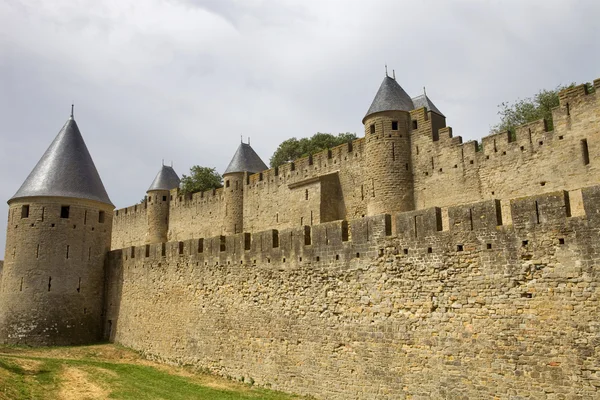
x=483, y=300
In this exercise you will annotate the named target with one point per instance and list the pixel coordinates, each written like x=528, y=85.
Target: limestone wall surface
x=449, y=172
x=493, y=299
x=130, y=226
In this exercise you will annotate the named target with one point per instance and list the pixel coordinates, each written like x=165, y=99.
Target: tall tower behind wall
x=58, y=235
x=245, y=161
x=158, y=201
x=389, y=183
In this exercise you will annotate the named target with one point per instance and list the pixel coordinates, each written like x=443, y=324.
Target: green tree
x=200, y=179
x=530, y=109
x=292, y=149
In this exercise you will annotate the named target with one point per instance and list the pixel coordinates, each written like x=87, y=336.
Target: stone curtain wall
x=130, y=226
x=449, y=172
x=454, y=303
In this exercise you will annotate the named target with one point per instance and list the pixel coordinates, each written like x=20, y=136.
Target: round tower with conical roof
x=244, y=161
x=159, y=201
x=389, y=181
x=59, y=231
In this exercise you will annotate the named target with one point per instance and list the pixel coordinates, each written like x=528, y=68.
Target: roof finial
x=163, y=162
x=72, y=108
x=171, y=163
x=386, y=74
x=394, y=74
x=248, y=140
x=241, y=138
x=424, y=91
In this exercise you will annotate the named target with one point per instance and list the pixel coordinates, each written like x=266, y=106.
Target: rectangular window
x=227, y=183
x=101, y=217
x=394, y=125
x=147, y=250
x=164, y=198
x=25, y=211
x=584, y=152
x=64, y=211
x=415, y=124
x=372, y=128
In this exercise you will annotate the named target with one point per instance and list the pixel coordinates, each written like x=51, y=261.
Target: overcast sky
x=181, y=80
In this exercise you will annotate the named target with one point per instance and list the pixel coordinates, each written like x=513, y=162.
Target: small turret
x=244, y=161
x=159, y=200
x=389, y=181
x=58, y=235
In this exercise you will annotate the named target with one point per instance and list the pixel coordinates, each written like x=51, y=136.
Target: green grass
x=111, y=372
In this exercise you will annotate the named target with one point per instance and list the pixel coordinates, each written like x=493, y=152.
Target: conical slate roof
x=166, y=179
x=390, y=97
x=245, y=159
x=65, y=170
x=424, y=101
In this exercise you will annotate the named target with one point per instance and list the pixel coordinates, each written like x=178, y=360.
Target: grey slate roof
x=245, y=159
x=166, y=179
x=65, y=170
x=390, y=97
x=424, y=101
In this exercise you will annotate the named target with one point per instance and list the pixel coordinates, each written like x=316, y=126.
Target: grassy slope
x=113, y=372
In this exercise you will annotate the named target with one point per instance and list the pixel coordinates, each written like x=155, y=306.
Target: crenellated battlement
x=346, y=241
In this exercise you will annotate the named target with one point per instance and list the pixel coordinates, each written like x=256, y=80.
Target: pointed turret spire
x=390, y=97
x=424, y=101
x=166, y=179
x=245, y=159
x=65, y=170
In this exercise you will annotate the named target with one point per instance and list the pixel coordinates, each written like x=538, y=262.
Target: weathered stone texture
x=53, y=275
x=454, y=304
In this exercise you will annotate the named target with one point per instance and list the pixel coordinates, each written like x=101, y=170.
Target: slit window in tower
x=394, y=125
x=306, y=194
x=101, y=216
x=372, y=128
x=227, y=183
x=585, y=152
x=25, y=211
x=64, y=211
x=415, y=124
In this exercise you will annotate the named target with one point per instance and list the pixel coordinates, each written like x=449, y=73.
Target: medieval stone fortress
x=405, y=264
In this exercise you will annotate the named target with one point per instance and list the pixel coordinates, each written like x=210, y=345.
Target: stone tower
x=159, y=201
x=389, y=183
x=59, y=231
x=245, y=161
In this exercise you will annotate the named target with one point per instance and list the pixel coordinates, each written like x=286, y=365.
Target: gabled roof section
x=424, y=101
x=65, y=170
x=245, y=159
x=166, y=179
x=390, y=97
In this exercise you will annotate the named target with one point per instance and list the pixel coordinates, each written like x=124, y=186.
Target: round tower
x=159, y=201
x=58, y=235
x=388, y=186
x=244, y=161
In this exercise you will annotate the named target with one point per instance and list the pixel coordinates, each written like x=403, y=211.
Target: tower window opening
x=85, y=217
x=79, y=286
x=25, y=211
x=227, y=183
x=37, y=251
x=585, y=152
x=180, y=247
x=306, y=194
x=147, y=250
x=165, y=198
x=101, y=216
x=163, y=250
x=394, y=125
x=49, y=283
x=68, y=248
x=372, y=128
x=64, y=211
x=415, y=124
x=132, y=251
